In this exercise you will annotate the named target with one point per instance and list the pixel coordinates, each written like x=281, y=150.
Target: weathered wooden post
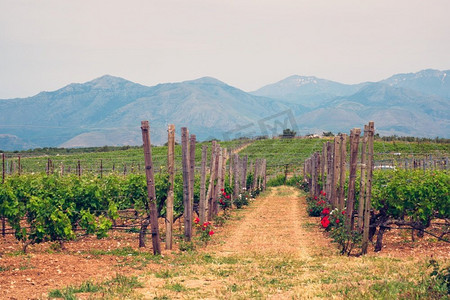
x=152, y=214
x=244, y=172
x=330, y=170
x=202, y=203
x=191, y=174
x=3, y=168
x=170, y=196
x=236, y=176
x=354, y=143
x=365, y=240
x=212, y=171
x=337, y=171
x=3, y=181
x=343, y=169
x=362, y=185
x=186, y=184
x=255, y=175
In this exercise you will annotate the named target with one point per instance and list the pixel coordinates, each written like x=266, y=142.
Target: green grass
x=131, y=258
x=120, y=287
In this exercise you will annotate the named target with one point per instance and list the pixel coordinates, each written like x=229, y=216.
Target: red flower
x=196, y=220
x=315, y=197
x=325, y=222
x=221, y=201
x=224, y=194
x=228, y=196
x=211, y=232
x=325, y=211
x=337, y=221
x=324, y=194
x=343, y=212
x=222, y=190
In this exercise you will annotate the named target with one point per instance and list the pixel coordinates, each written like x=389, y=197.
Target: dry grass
x=268, y=254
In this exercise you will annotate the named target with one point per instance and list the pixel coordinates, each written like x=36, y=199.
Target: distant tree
x=329, y=133
x=288, y=134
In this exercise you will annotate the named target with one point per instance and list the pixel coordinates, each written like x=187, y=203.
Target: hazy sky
x=46, y=44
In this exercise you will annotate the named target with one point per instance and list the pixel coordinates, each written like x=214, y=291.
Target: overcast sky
x=47, y=44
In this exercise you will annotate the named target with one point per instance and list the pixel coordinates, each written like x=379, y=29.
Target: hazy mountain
x=108, y=110
x=308, y=91
x=395, y=110
x=432, y=82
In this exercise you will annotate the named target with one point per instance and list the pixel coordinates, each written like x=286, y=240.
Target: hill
x=108, y=110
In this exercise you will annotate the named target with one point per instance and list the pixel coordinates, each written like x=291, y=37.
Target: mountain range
x=108, y=110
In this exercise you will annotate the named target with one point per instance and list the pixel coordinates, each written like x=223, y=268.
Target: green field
x=277, y=152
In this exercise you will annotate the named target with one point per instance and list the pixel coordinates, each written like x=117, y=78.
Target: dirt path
x=272, y=225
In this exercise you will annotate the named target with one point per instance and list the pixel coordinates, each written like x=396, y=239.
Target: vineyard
x=188, y=193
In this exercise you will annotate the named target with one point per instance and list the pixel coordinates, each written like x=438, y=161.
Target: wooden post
x=47, y=167
x=354, y=143
x=219, y=180
x=3, y=181
x=365, y=240
x=3, y=168
x=330, y=170
x=191, y=175
x=244, y=172
x=101, y=168
x=61, y=169
x=236, y=176
x=186, y=184
x=264, y=173
x=152, y=213
x=170, y=196
x=212, y=171
x=79, y=168
x=362, y=185
x=215, y=188
x=19, y=165
x=343, y=169
x=255, y=175
x=230, y=169
x=323, y=164
x=202, y=203
x=337, y=171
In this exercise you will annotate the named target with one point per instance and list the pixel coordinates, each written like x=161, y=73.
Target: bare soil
x=275, y=226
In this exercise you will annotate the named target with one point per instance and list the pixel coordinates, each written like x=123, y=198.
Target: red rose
x=196, y=220
x=228, y=196
x=343, y=212
x=337, y=221
x=325, y=211
x=211, y=232
x=325, y=222
x=315, y=197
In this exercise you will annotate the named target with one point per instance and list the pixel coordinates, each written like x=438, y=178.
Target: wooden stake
x=191, y=176
x=362, y=185
x=365, y=240
x=354, y=143
x=343, y=168
x=202, y=203
x=337, y=171
x=3, y=168
x=330, y=170
x=152, y=213
x=212, y=171
x=170, y=196
x=186, y=185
